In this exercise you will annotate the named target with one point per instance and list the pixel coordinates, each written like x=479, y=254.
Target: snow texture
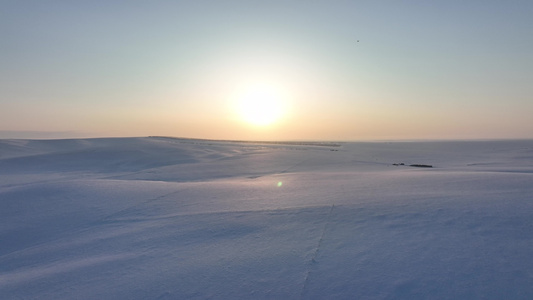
x=165, y=218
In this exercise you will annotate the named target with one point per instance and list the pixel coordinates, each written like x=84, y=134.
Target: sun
x=261, y=105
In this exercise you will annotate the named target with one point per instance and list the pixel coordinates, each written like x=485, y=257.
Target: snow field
x=163, y=218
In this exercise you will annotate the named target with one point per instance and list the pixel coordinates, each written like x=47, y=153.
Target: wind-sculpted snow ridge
x=161, y=218
x=297, y=143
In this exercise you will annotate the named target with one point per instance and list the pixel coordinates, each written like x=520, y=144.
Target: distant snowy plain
x=165, y=218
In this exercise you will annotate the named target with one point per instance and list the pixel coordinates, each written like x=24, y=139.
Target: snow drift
x=165, y=218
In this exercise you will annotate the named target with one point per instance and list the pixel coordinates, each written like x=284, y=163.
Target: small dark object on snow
x=400, y=164
x=421, y=166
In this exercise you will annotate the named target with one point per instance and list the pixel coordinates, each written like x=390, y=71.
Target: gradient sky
x=421, y=69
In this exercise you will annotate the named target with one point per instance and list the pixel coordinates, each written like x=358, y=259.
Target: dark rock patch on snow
x=421, y=166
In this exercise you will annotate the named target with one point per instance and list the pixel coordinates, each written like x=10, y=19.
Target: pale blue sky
x=453, y=69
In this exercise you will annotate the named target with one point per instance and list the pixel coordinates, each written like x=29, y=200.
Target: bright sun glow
x=261, y=105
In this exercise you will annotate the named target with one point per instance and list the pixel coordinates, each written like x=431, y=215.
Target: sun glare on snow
x=261, y=105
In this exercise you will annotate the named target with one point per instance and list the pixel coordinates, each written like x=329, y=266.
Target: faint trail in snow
x=313, y=258
x=323, y=233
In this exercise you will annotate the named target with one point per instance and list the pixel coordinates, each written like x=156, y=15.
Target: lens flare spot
x=280, y=183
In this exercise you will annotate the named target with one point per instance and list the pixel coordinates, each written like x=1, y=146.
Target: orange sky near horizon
x=335, y=71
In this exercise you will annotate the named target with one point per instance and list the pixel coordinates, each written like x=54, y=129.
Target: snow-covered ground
x=163, y=218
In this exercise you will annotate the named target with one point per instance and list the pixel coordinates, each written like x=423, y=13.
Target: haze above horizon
x=276, y=70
